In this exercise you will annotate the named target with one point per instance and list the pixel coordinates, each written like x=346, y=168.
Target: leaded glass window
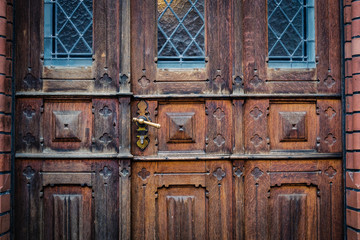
x=181, y=33
x=291, y=33
x=68, y=32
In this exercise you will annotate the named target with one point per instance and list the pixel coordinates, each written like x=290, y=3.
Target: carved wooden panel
x=330, y=127
x=28, y=119
x=182, y=127
x=293, y=212
x=189, y=200
x=105, y=125
x=67, y=125
x=293, y=200
x=259, y=77
x=293, y=126
x=255, y=126
x=71, y=199
x=219, y=134
x=68, y=212
x=181, y=213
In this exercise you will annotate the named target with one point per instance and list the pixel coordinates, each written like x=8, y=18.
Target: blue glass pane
x=68, y=32
x=291, y=31
x=181, y=33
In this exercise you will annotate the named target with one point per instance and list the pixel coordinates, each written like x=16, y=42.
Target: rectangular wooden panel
x=293, y=200
x=183, y=127
x=171, y=204
x=181, y=213
x=67, y=125
x=28, y=118
x=294, y=125
x=293, y=213
x=68, y=213
x=219, y=127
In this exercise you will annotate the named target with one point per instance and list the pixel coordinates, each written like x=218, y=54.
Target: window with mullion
x=68, y=32
x=181, y=33
x=291, y=33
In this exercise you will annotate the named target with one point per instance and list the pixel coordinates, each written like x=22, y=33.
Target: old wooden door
x=247, y=94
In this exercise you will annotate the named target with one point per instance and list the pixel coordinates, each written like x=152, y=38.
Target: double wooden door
x=244, y=151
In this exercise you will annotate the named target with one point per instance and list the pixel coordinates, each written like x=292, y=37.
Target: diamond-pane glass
x=291, y=31
x=181, y=33
x=68, y=32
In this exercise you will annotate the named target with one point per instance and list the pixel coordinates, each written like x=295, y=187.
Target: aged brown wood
x=244, y=151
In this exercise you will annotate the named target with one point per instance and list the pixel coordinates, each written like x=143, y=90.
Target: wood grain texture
x=325, y=78
x=219, y=136
x=158, y=197
x=293, y=199
x=255, y=126
x=82, y=203
x=106, y=120
x=330, y=129
x=183, y=122
x=76, y=118
x=28, y=133
x=294, y=125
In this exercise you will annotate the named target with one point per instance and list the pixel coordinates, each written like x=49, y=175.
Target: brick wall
x=6, y=27
x=352, y=91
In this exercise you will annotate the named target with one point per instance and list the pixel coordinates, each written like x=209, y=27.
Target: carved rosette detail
x=237, y=172
x=219, y=174
x=330, y=139
x=219, y=114
x=106, y=173
x=256, y=140
x=256, y=113
x=31, y=82
x=28, y=139
x=124, y=79
x=144, y=174
x=105, y=139
x=329, y=81
x=124, y=172
x=144, y=82
x=256, y=81
x=257, y=173
x=105, y=111
x=105, y=80
x=330, y=112
x=29, y=112
x=29, y=173
x=219, y=140
x=330, y=172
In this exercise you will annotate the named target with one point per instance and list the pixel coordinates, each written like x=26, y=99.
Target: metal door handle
x=142, y=121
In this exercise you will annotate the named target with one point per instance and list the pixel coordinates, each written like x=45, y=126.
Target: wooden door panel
x=71, y=198
x=68, y=213
x=293, y=199
x=192, y=203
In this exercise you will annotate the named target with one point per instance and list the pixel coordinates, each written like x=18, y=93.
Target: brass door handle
x=142, y=121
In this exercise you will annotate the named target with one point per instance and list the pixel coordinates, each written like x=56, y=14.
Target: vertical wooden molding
x=125, y=58
x=124, y=199
x=124, y=126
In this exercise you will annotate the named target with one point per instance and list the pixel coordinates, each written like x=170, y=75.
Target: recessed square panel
x=181, y=127
x=293, y=126
x=67, y=126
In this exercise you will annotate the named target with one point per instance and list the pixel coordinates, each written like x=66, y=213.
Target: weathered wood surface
x=232, y=160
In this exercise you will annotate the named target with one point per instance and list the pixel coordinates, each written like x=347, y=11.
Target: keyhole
x=293, y=126
x=66, y=125
x=181, y=129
